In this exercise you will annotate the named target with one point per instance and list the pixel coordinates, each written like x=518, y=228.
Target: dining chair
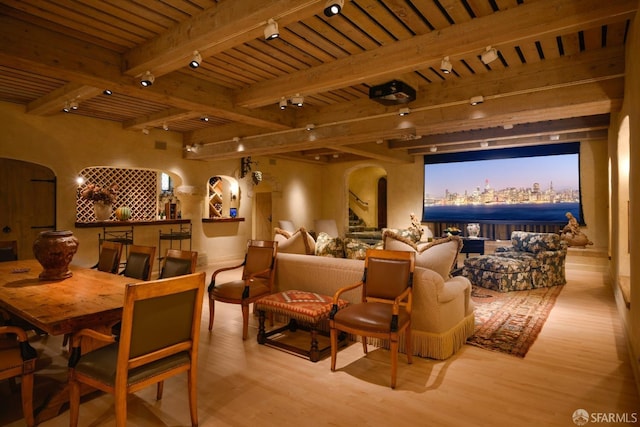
x=139, y=262
x=18, y=359
x=159, y=339
x=178, y=262
x=8, y=250
x=257, y=280
x=385, y=310
x=109, y=259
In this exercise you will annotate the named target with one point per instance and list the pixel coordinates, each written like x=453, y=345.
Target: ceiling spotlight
x=107, y=92
x=145, y=131
x=165, y=126
x=404, y=111
x=433, y=148
x=297, y=100
x=271, y=30
x=489, y=55
x=333, y=7
x=283, y=103
x=335, y=155
x=67, y=107
x=188, y=148
x=74, y=105
x=195, y=60
x=484, y=144
x=554, y=137
x=236, y=139
x=445, y=65
x=475, y=100
x=204, y=118
x=147, y=79
x=507, y=126
x=310, y=126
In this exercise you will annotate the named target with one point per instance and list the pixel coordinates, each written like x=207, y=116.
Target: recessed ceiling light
x=404, y=111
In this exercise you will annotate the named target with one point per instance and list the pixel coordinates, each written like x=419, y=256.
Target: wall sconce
x=234, y=189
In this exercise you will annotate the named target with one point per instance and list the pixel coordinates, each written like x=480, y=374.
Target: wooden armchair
x=18, y=359
x=140, y=262
x=257, y=280
x=159, y=339
x=385, y=310
x=178, y=262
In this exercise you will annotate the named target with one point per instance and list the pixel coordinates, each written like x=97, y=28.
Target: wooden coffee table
x=305, y=311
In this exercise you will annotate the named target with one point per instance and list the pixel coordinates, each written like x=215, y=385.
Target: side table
x=305, y=310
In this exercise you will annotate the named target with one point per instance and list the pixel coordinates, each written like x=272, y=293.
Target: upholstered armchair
x=534, y=260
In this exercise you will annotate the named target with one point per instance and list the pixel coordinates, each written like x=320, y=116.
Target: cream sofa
x=442, y=316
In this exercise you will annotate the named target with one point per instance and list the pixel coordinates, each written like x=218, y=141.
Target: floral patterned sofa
x=534, y=260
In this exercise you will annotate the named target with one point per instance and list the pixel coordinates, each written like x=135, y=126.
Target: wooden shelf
x=130, y=223
x=222, y=219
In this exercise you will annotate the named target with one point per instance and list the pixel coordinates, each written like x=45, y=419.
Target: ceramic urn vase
x=102, y=211
x=54, y=250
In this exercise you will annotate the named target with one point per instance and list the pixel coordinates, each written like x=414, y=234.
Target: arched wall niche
x=223, y=197
x=139, y=189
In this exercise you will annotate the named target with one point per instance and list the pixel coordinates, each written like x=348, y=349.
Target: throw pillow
x=440, y=255
x=329, y=246
x=409, y=233
x=299, y=242
x=355, y=248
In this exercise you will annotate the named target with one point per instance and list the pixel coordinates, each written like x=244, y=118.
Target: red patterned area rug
x=510, y=322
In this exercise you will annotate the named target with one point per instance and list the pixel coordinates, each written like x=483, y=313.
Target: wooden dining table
x=88, y=299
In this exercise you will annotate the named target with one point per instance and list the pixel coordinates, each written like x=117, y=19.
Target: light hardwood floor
x=579, y=360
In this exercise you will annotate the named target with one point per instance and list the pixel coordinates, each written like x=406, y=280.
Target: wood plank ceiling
x=559, y=72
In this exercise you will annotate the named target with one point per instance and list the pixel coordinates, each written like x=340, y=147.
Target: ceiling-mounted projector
x=393, y=92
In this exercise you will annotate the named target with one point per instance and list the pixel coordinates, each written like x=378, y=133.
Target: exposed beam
x=41, y=51
x=562, y=103
x=54, y=101
x=595, y=135
x=221, y=26
x=576, y=124
x=508, y=26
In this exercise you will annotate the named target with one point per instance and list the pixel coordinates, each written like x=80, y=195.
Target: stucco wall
x=624, y=261
x=67, y=143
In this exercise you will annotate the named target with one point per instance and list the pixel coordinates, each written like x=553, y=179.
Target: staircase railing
x=358, y=199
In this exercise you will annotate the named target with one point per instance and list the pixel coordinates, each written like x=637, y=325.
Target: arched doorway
x=367, y=199
x=28, y=198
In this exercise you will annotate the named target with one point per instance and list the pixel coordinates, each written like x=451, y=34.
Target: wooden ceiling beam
x=551, y=74
x=573, y=101
x=220, y=27
x=56, y=55
x=560, y=126
x=594, y=135
x=508, y=26
x=53, y=102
